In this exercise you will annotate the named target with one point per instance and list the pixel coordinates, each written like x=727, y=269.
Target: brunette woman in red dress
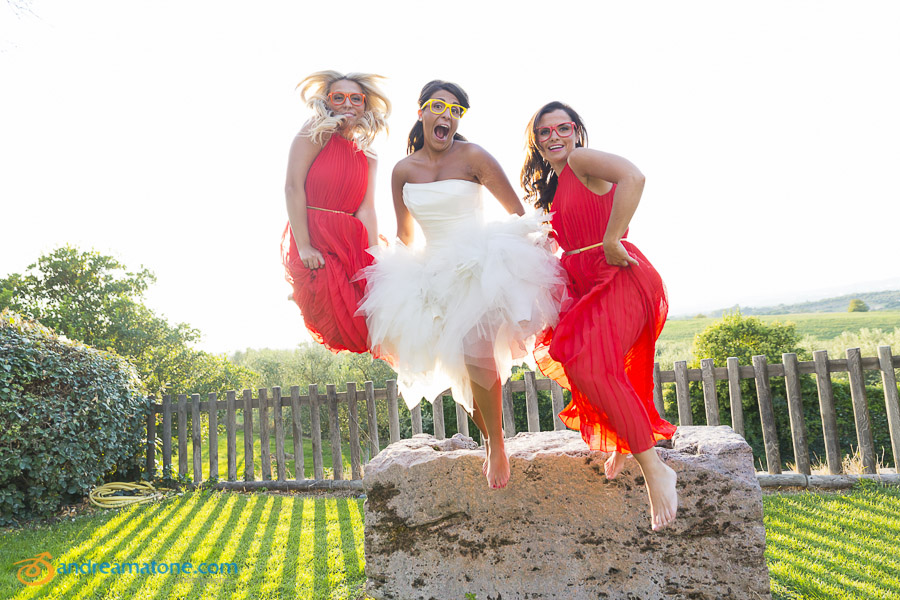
x=331, y=205
x=603, y=347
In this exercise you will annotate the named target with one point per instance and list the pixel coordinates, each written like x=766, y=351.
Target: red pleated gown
x=328, y=297
x=603, y=347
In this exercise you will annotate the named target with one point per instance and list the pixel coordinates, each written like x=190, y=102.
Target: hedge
x=71, y=416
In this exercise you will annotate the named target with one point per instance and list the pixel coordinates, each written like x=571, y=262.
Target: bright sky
x=769, y=134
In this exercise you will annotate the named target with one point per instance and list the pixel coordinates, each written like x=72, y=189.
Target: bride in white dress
x=462, y=311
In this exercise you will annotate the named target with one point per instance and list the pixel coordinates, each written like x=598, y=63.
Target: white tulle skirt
x=465, y=309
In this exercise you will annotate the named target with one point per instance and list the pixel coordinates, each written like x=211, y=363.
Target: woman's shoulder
x=403, y=168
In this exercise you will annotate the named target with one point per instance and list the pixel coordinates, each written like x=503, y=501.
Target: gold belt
x=579, y=250
x=340, y=212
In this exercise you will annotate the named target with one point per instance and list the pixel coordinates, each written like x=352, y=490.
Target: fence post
x=182, y=435
x=826, y=410
x=889, y=380
x=861, y=411
x=353, y=410
x=462, y=419
x=278, y=417
x=249, y=474
x=509, y=417
x=167, y=435
x=265, y=456
x=415, y=416
x=682, y=392
x=531, y=402
x=231, y=435
x=196, y=438
x=151, y=439
x=297, y=431
x=337, y=460
x=315, y=428
x=657, y=392
x=213, y=436
x=393, y=410
x=795, y=411
x=437, y=411
x=734, y=395
x=710, y=399
x=558, y=400
x=767, y=414
x=372, y=420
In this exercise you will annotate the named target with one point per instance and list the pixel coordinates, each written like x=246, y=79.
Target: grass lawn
x=834, y=546
x=823, y=326
x=283, y=546
x=819, y=546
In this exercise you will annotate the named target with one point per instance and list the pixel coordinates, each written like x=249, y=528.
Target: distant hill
x=888, y=300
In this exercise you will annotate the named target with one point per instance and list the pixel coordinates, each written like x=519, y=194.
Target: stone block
x=560, y=529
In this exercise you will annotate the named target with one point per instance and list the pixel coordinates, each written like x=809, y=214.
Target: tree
x=95, y=299
x=745, y=337
x=857, y=305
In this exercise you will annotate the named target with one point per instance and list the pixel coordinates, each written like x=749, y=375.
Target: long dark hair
x=538, y=178
x=417, y=134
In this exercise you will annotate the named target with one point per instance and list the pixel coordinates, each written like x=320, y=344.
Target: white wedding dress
x=467, y=306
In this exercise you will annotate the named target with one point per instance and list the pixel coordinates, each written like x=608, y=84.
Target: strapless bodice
x=446, y=209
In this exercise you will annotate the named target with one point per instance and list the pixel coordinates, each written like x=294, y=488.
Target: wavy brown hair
x=324, y=122
x=538, y=179
x=416, y=138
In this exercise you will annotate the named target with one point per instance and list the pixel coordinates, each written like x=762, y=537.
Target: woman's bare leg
x=660, y=480
x=489, y=403
x=479, y=422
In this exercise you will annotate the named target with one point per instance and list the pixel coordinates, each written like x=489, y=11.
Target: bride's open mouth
x=441, y=132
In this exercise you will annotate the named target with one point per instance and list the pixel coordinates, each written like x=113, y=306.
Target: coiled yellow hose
x=105, y=496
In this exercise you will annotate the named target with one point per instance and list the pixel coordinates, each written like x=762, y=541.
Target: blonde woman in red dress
x=331, y=204
x=603, y=347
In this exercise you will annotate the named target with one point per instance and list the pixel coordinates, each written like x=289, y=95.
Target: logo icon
x=28, y=574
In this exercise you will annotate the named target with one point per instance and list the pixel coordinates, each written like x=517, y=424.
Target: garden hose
x=118, y=494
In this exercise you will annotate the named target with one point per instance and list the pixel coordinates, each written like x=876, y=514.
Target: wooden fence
x=262, y=405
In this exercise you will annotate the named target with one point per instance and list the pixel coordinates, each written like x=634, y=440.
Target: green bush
x=70, y=415
x=744, y=337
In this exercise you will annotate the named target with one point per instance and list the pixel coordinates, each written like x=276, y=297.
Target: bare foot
x=487, y=456
x=614, y=464
x=661, y=481
x=497, y=467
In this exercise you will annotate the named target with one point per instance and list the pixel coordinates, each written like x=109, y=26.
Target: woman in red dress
x=331, y=205
x=603, y=347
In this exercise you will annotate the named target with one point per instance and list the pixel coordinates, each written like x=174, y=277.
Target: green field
x=823, y=326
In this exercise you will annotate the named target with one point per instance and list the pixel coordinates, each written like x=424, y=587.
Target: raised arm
x=489, y=173
x=303, y=153
x=366, y=210
x=598, y=170
x=405, y=227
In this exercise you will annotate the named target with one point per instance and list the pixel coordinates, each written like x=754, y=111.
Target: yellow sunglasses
x=439, y=107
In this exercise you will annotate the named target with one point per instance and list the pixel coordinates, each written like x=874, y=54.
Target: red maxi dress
x=328, y=297
x=603, y=347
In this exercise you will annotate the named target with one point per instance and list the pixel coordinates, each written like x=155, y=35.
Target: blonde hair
x=324, y=123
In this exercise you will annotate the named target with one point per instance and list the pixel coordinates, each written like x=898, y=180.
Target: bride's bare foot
x=497, y=467
x=661, y=488
x=487, y=456
x=614, y=464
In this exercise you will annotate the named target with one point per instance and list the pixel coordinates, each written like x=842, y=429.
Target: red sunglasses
x=562, y=130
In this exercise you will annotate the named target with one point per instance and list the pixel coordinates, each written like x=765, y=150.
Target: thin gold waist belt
x=579, y=250
x=340, y=212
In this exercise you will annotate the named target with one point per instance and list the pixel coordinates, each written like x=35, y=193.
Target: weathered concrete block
x=560, y=529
